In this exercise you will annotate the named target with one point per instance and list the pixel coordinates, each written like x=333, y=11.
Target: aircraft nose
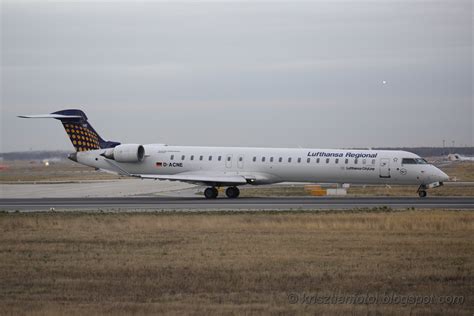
x=442, y=177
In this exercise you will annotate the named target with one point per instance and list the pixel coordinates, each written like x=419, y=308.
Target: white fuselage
x=272, y=165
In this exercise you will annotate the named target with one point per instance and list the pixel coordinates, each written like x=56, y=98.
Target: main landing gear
x=211, y=193
x=231, y=192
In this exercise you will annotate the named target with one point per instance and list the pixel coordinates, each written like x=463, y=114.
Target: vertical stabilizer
x=81, y=133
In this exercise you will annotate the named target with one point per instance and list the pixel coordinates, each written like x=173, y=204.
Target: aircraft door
x=384, y=168
x=228, y=161
x=240, y=161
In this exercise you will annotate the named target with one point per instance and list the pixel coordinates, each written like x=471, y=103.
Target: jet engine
x=126, y=153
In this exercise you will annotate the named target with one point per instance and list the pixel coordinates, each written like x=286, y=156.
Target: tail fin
x=81, y=133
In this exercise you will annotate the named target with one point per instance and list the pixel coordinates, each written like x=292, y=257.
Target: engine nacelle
x=126, y=153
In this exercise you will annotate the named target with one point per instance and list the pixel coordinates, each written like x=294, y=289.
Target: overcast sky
x=277, y=74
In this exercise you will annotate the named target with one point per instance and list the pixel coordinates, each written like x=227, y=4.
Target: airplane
x=232, y=167
x=458, y=157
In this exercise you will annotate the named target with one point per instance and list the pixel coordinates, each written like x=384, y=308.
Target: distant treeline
x=421, y=151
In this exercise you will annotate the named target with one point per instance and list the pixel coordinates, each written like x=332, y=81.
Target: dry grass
x=232, y=263
x=462, y=171
x=57, y=171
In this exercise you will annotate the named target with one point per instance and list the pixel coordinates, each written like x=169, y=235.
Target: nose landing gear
x=422, y=189
x=422, y=193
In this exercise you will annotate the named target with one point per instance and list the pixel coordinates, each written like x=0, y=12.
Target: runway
x=240, y=204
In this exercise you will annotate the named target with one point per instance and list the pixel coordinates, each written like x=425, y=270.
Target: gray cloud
x=240, y=73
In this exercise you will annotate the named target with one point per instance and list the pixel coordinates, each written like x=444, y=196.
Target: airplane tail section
x=81, y=133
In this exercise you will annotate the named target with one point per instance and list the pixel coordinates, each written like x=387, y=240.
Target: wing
x=207, y=179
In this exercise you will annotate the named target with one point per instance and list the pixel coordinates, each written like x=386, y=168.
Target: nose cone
x=441, y=176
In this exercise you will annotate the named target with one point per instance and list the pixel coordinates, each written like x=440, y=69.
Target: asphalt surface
x=201, y=204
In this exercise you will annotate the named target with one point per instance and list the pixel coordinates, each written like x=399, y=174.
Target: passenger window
x=200, y=157
x=317, y=160
x=347, y=161
x=210, y=158
x=299, y=160
x=327, y=160
x=192, y=157
x=355, y=161
x=240, y=158
x=289, y=159
x=263, y=159
x=308, y=160
x=364, y=161
x=219, y=158
x=337, y=160
x=271, y=159
x=172, y=157
x=280, y=159
x=228, y=158
x=182, y=157
x=373, y=161
x=254, y=159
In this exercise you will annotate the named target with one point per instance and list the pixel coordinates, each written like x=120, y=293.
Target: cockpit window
x=421, y=161
x=414, y=161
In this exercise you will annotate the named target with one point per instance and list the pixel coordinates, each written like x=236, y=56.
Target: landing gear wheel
x=422, y=193
x=211, y=193
x=232, y=192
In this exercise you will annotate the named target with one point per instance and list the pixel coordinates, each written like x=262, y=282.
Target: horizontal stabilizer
x=81, y=133
x=55, y=116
